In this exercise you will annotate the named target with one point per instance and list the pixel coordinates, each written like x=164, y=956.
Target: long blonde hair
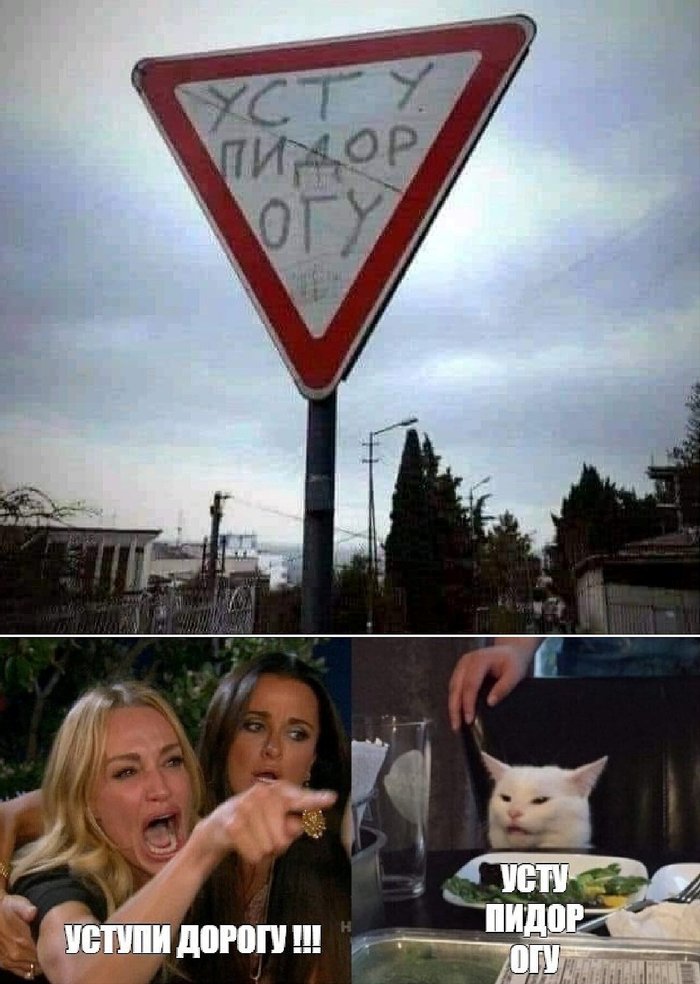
x=72, y=835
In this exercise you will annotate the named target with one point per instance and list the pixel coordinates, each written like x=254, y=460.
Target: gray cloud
x=548, y=318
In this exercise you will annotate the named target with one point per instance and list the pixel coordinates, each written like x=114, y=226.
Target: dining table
x=400, y=934
x=431, y=911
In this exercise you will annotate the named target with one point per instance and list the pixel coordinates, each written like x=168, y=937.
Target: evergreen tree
x=429, y=551
x=687, y=457
x=477, y=520
x=598, y=518
x=409, y=548
x=507, y=564
x=452, y=548
x=687, y=453
x=588, y=520
x=639, y=516
x=350, y=590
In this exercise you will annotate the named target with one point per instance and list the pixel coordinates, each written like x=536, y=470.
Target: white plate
x=671, y=879
x=577, y=864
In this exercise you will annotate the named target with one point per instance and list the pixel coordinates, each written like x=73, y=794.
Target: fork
x=690, y=893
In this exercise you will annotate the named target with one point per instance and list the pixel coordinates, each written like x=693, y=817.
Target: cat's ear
x=495, y=768
x=586, y=776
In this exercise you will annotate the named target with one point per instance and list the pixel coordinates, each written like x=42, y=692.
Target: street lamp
x=472, y=489
x=531, y=535
x=472, y=524
x=371, y=519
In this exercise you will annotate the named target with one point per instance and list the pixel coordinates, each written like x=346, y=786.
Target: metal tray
x=398, y=956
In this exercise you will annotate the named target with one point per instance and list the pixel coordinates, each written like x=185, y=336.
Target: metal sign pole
x=317, y=570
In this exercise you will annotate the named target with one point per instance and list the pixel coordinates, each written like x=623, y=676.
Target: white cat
x=540, y=806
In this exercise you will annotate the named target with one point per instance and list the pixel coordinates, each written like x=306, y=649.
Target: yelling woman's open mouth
x=160, y=834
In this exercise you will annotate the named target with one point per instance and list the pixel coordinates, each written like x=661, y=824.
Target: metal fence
x=228, y=610
x=653, y=619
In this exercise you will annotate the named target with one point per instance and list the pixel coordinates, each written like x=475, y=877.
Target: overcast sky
x=549, y=318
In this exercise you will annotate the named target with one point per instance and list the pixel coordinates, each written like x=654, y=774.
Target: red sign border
x=318, y=364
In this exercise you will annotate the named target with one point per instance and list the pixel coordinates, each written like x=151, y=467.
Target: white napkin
x=367, y=760
x=665, y=921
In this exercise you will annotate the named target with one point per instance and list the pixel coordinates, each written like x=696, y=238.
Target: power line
x=349, y=534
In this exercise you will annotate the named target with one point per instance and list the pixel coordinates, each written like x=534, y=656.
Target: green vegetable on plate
x=596, y=888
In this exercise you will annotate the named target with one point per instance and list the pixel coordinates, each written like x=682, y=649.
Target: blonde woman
x=122, y=844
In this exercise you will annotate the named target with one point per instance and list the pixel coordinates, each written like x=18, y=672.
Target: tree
x=40, y=679
x=451, y=543
x=587, y=523
x=27, y=505
x=431, y=547
x=477, y=519
x=687, y=453
x=409, y=547
x=26, y=571
x=639, y=516
x=350, y=597
x=598, y=518
x=507, y=564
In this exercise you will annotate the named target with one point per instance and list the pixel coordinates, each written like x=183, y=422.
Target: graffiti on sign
x=318, y=160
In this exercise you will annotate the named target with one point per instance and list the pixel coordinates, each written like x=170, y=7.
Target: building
x=677, y=490
x=648, y=587
x=242, y=547
x=175, y=563
x=238, y=557
x=81, y=557
x=276, y=568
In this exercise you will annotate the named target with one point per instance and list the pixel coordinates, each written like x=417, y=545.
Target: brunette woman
x=272, y=720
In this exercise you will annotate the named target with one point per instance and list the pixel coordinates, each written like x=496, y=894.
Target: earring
x=313, y=821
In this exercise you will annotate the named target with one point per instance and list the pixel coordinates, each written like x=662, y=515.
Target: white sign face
x=318, y=160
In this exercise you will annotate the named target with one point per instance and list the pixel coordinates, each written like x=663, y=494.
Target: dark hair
x=311, y=882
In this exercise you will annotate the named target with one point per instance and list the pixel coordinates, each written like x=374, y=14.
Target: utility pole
x=216, y=512
x=371, y=536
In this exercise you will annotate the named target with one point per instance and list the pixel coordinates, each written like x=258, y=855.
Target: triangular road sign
x=321, y=165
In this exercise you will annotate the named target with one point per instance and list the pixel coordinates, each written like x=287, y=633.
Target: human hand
x=506, y=661
x=264, y=820
x=17, y=948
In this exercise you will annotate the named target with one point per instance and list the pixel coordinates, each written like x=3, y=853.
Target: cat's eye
x=506, y=799
x=538, y=800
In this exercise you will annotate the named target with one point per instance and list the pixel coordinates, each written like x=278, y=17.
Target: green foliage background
x=40, y=678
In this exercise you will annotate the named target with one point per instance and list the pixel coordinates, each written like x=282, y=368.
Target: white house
x=239, y=556
x=276, y=568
